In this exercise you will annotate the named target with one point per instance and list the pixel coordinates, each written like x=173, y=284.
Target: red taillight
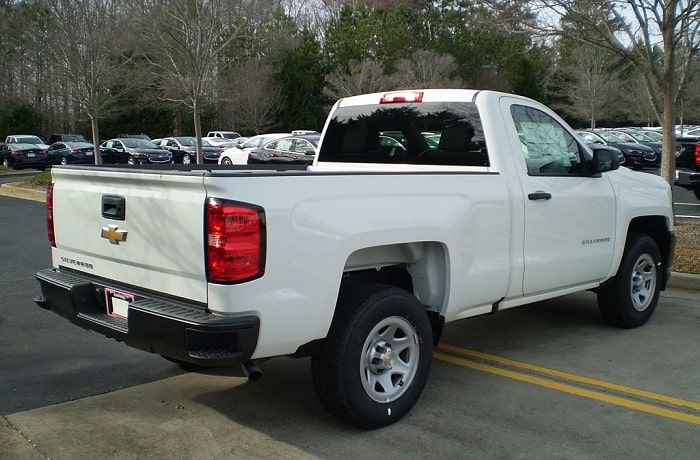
x=697, y=154
x=235, y=241
x=49, y=216
x=402, y=96
x=75, y=152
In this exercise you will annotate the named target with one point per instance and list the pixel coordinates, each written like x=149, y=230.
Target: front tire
x=376, y=359
x=186, y=159
x=226, y=161
x=630, y=298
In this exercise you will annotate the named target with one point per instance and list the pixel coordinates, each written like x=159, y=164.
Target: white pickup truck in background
x=421, y=207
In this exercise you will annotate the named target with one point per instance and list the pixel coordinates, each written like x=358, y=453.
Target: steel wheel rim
x=643, y=282
x=389, y=359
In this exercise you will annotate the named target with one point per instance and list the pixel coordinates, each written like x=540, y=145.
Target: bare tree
x=253, y=93
x=365, y=77
x=190, y=45
x=592, y=83
x=87, y=55
x=657, y=38
x=426, y=69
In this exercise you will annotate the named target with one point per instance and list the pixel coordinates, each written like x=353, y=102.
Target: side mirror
x=604, y=160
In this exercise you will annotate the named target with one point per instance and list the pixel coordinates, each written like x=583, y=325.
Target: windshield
x=610, y=137
x=139, y=144
x=641, y=137
x=187, y=141
x=29, y=140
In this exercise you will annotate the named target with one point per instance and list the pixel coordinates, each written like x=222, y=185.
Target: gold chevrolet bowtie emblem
x=113, y=234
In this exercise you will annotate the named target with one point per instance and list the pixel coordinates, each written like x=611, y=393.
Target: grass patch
x=43, y=179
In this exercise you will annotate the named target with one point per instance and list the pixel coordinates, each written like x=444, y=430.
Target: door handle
x=539, y=195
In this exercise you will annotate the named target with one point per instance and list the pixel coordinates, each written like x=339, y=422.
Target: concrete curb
x=22, y=192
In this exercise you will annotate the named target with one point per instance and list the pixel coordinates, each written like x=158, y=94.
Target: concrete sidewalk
x=158, y=420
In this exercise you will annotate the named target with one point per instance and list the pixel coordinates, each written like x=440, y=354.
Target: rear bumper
x=180, y=330
x=687, y=178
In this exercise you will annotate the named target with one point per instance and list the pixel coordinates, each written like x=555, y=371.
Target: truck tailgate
x=146, y=225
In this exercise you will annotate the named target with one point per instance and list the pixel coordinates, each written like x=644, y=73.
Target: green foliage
x=19, y=118
x=301, y=77
x=43, y=179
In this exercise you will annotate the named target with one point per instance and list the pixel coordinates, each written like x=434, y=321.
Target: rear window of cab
x=431, y=133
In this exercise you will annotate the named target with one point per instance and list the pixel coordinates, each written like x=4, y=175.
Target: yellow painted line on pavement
x=569, y=388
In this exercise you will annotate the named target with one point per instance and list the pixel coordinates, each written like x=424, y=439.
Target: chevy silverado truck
x=420, y=208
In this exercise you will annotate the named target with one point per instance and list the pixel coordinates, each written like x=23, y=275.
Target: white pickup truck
x=421, y=207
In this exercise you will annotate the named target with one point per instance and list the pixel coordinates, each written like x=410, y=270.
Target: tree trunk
x=198, y=132
x=96, y=140
x=668, y=87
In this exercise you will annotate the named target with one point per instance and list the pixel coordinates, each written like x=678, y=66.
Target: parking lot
x=547, y=381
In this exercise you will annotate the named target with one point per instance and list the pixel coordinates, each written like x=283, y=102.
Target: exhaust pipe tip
x=252, y=370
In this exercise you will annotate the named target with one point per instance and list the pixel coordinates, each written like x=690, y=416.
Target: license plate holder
x=117, y=303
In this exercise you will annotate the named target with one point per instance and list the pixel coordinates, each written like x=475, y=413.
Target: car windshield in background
x=138, y=144
x=435, y=133
x=187, y=141
x=22, y=145
x=641, y=136
x=611, y=137
x=29, y=140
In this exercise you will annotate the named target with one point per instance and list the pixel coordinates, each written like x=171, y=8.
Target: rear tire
x=630, y=298
x=696, y=191
x=374, y=364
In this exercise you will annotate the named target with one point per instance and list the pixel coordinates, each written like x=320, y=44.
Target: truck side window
x=548, y=148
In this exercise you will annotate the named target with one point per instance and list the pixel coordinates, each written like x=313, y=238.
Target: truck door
x=569, y=217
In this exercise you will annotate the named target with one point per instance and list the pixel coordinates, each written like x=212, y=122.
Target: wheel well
x=419, y=268
x=658, y=228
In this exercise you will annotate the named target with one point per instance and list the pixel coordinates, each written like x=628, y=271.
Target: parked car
x=133, y=151
x=223, y=134
x=66, y=138
x=286, y=150
x=26, y=139
x=632, y=135
x=688, y=164
x=184, y=149
x=238, y=155
x=18, y=155
x=637, y=156
x=63, y=153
